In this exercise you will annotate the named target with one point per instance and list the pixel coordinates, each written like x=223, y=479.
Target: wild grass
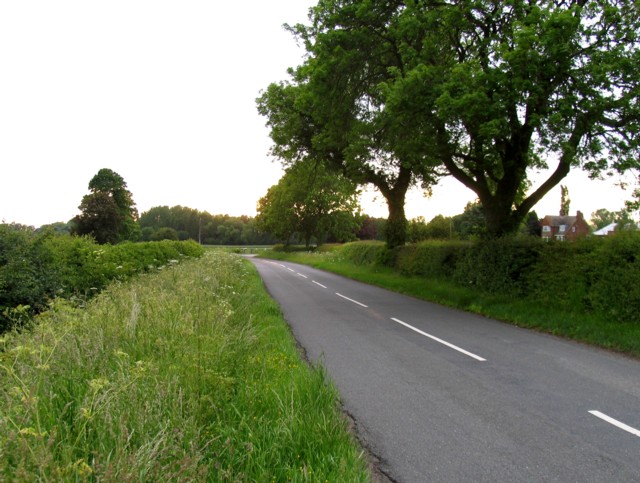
x=189, y=374
x=580, y=325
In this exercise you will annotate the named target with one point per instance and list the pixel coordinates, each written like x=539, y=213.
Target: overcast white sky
x=162, y=92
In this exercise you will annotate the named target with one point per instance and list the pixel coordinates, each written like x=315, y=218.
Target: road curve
x=443, y=395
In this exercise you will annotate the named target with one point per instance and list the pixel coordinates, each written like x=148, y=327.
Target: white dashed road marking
x=444, y=342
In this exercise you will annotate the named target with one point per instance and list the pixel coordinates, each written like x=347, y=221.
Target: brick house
x=564, y=227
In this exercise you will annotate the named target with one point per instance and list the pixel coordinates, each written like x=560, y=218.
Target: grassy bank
x=578, y=325
x=188, y=374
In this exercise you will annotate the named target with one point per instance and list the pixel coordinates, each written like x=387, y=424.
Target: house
x=564, y=227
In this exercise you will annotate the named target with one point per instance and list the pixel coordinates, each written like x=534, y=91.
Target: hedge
x=37, y=267
x=600, y=275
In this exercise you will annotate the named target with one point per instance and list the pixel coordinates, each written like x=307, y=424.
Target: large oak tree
x=489, y=91
x=332, y=110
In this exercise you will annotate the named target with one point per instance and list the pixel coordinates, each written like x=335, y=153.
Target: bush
x=435, y=259
x=37, y=267
x=592, y=275
x=365, y=253
x=560, y=276
x=614, y=277
x=498, y=266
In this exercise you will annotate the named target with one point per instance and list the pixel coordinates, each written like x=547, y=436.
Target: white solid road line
x=615, y=422
x=351, y=300
x=319, y=284
x=444, y=342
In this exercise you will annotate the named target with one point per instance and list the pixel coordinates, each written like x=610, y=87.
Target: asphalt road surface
x=443, y=395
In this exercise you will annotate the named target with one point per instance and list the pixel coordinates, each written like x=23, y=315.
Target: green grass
x=188, y=374
x=580, y=326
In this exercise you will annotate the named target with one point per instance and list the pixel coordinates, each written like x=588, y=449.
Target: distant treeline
x=182, y=223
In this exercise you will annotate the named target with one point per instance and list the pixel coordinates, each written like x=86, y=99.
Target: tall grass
x=189, y=374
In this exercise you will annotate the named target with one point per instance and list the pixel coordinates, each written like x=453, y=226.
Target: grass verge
x=583, y=327
x=188, y=374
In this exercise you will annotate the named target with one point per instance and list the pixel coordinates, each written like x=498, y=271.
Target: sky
x=163, y=93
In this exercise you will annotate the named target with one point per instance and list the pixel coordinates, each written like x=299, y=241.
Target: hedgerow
x=38, y=267
x=593, y=275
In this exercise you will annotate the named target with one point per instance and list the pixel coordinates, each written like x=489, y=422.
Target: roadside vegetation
x=588, y=291
x=38, y=267
x=184, y=374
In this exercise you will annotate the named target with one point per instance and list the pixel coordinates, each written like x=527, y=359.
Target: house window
x=573, y=229
x=560, y=237
x=546, y=229
x=563, y=228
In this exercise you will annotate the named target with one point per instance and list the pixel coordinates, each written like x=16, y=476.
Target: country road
x=443, y=395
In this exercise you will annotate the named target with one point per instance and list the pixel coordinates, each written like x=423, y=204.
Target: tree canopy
x=332, y=111
x=108, y=212
x=393, y=91
x=312, y=202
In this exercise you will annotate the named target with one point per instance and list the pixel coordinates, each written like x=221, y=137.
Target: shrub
x=364, y=253
x=614, y=277
x=437, y=259
x=499, y=265
x=37, y=267
x=561, y=274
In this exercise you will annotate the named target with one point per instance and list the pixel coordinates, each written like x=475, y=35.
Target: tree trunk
x=396, y=229
x=499, y=217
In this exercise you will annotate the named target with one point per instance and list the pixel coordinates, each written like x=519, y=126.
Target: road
x=442, y=395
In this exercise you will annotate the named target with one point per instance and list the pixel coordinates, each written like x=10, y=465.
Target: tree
x=603, y=217
x=440, y=228
x=312, y=202
x=497, y=89
x=332, y=110
x=532, y=225
x=565, y=202
x=490, y=91
x=164, y=233
x=470, y=223
x=108, y=212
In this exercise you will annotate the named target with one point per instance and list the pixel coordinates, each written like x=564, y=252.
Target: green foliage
x=191, y=224
x=498, y=265
x=38, y=267
x=186, y=374
x=613, y=276
x=596, y=275
x=371, y=228
x=108, y=212
x=312, y=202
x=395, y=93
x=433, y=259
x=164, y=233
x=364, y=253
x=332, y=109
x=561, y=276
x=470, y=224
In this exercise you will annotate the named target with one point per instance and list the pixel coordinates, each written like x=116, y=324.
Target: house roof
x=559, y=220
x=612, y=227
x=605, y=230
